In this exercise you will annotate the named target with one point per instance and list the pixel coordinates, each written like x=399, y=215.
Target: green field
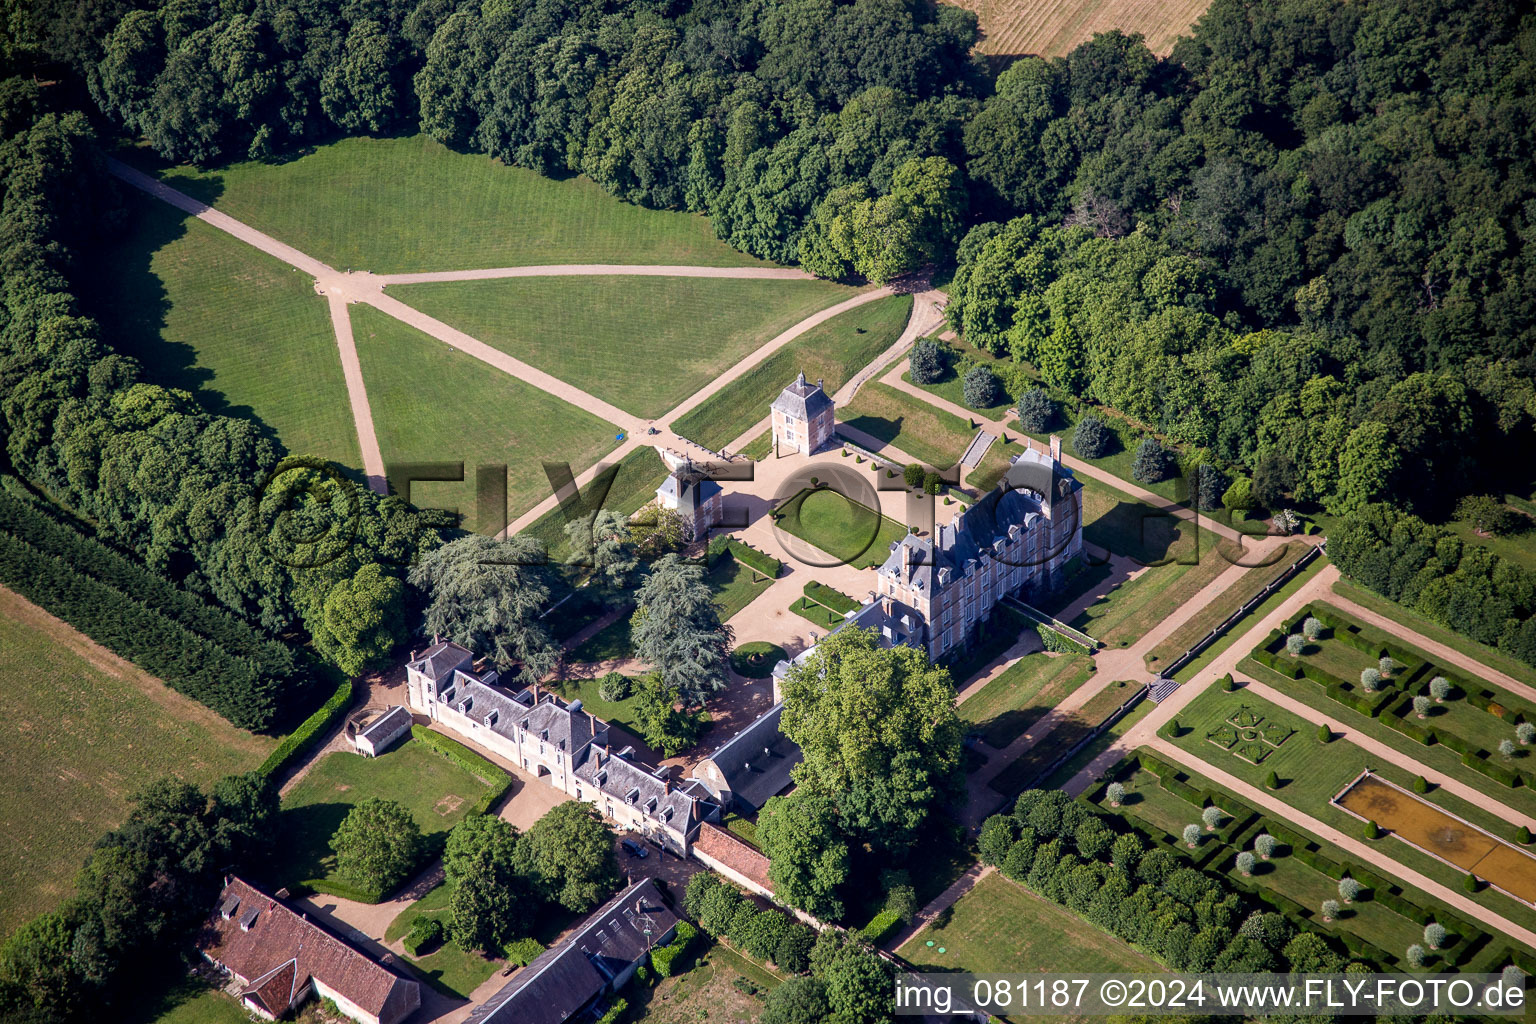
x=447, y=967
x=850, y=532
x=640, y=343
x=910, y=424
x=1022, y=694
x=1117, y=523
x=831, y=352
x=426, y=207
x=432, y=403
x=211, y=315
x=1002, y=927
x=436, y=791
x=85, y=730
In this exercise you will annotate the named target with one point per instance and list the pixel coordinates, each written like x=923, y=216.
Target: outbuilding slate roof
x=756, y=762
x=439, y=660
x=802, y=400
x=387, y=723
x=563, y=979
x=281, y=950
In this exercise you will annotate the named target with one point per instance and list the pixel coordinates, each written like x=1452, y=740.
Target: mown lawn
x=84, y=730
x=436, y=791
x=1002, y=927
x=187, y=1001
x=243, y=332
x=411, y=204
x=851, y=532
x=1008, y=705
x=951, y=387
x=446, y=967
x=432, y=403
x=1178, y=560
x=908, y=423
x=641, y=343
x=831, y=352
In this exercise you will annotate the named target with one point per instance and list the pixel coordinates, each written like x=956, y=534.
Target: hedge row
x=51, y=530
x=140, y=617
x=830, y=597
x=1339, y=690
x=1475, y=758
x=309, y=731
x=495, y=778
x=1059, y=643
x=425, y=932
x=1348, y=632
x=881, y=926
x=663, y=956
x=754, y=559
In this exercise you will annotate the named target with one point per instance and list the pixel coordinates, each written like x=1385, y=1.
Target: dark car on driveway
x=634, y=849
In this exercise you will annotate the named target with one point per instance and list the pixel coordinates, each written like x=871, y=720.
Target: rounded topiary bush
x=926, y=362
x=614, y=687
x=1092, y=439
x=1037, y=410
x=981, y=387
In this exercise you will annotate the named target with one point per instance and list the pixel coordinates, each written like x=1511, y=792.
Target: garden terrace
x=1310, y=777
x=1077, y=727
x=1379, y=926
x=1022, y=694
x=849, y=531
x=913, y=426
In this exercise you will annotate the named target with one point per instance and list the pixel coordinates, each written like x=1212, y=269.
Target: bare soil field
x=1050, y=28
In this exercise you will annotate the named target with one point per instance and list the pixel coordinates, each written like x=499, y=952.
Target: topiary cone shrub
x=1371, y=830
x=1272, y=781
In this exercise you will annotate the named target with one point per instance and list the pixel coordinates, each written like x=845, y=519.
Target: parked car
x=634, y=849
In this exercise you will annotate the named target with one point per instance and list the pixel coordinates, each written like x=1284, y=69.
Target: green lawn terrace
x=244, y=333
x=643, y=344
x=436, y=791
x=851, y=532
x=1022, y=694
x=831, y=352
x=434, y=404
x=426, y=207
x=895, y=418
x=1002, y=927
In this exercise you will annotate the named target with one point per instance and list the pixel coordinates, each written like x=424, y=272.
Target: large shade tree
x=677, y=628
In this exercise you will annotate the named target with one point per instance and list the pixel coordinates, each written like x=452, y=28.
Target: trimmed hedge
x=207, y=654
x=618, y=1009
x=425, y=932
x=1059, y=643
x=356, y=893
x=301, y=739
x=881, y=926
x=754, y=559
x=497, y=779
x=662, y=957
x=830, y=597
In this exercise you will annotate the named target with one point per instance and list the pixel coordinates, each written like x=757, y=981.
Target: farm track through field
x=1054, y=28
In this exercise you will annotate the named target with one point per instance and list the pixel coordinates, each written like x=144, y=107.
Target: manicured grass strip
x=411, y=204
x=910, y=424
x=1019, y=697
x=985, y=936
x=641, y=343
x=607, y=644
x=85, y=730
x=833, y=599
x=246, y=334
x=819, y=614
x=735, y=586
x=853, y=533
x=1432, y=630
x=434, y=404
x=1068, y=733
x=831, y=352
x=436, y=790
x=1212, y=615
x=951, y=387
x=1238, y=630
x=634, y=485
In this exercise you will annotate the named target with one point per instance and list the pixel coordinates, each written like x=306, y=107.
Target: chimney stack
x=906, y=561
x=1055, y=448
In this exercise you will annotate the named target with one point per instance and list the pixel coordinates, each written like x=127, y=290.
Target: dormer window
x=490, y=719
x=633, y=796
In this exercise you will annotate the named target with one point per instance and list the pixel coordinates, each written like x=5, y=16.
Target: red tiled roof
x=282, y=950
x=733, y=853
